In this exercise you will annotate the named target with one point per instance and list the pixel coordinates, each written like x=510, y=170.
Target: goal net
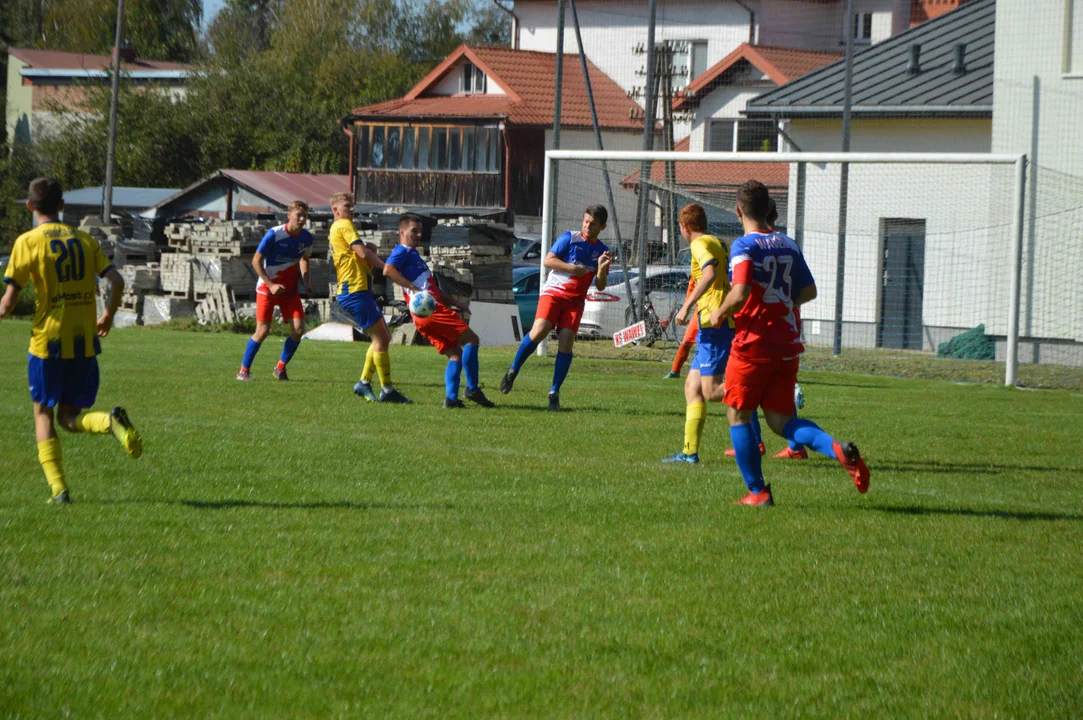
x=935, y=266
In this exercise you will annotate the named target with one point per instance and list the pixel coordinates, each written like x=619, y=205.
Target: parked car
x=527, y=250
x=609, y=310
x=526, y=284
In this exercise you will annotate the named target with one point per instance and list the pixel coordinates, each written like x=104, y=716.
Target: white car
x=608, y=311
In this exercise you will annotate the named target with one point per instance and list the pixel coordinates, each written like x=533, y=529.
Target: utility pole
x=110, y=157
x=844, y=179
x=645, y=168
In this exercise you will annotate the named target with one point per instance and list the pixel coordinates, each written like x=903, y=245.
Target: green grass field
x=288, y=550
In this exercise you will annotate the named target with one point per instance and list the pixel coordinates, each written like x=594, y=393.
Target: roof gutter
x=514, y=24
x=828, y=111
x=753, y=36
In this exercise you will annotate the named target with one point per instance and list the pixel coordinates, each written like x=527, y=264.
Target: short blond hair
x=340, y=197
x=297, y=205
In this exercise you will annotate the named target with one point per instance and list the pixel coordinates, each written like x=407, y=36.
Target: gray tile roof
x=882, y=87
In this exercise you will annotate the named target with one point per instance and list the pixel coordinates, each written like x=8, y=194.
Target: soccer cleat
x=243, y=374
x=477, y=396
x=760, y=499
x=394, y=396
x=671, y=376
x=789, y=454
x=733, y=453
x=123, y=431
x=507, y=381
x=364, y=390
x=61, y=499
x=554, y=402
x=690, y=458
x=850, y=458
x=455, y=404
x=280, y=373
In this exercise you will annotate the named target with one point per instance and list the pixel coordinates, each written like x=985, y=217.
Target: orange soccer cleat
x=760, y=499
x=850, y=458
x=733, y=453
x=788, y=454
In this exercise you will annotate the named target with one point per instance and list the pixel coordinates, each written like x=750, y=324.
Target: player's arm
x=805, y=295
x=705, y=280
x=367, y=252
x=11, y=296
x=16, y=276
x=304, y=272
x=601, y=280
x=552, y=262
x=257, y=263
x=116, y=290
x=731, y=304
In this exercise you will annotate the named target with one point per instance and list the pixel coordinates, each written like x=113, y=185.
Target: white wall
x=725, y=101
x=611, y=30
x=449, y=83
x=818, y=25
x=19, y=101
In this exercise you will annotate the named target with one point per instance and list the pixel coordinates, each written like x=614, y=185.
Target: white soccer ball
x=422, y=304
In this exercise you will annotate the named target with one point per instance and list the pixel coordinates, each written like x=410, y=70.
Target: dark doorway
x=902, y=283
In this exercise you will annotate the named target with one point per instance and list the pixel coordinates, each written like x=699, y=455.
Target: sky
x=210, y=7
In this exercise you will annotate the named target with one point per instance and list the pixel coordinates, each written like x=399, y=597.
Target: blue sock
x=451, y=379
x=560, y=370
x=747, y=451
x=250, y=353
x=526, y=348
x=809, y=434
x=470, y=362
x=757, y=433
x=288, y=349
x=796, y=446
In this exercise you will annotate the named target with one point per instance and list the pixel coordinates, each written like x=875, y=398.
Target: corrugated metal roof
x=278, y=187
x=883, y=87
x=123, y=197
x=58, y=60
x=527, y=78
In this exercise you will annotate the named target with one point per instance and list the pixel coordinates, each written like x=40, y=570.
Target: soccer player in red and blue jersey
x=769, y=279
x=281, y=260
x=444, y=329
x=573, y=262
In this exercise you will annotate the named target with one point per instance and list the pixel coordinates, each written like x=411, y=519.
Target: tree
x=157, y=29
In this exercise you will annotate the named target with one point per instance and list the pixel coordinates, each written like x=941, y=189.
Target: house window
x=742, y=135
x=472, y=80
x=689, y=61
x=1072, y=60
x=446, y=148
x=862, y=27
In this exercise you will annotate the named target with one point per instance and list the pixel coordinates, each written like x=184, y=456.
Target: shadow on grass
x=970, y=512
x=325, y=505
x=959, y=468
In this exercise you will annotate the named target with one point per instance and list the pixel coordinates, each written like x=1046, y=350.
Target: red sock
x=682, y=356
x=281, y=365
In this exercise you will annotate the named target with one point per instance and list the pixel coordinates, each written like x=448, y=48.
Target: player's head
x=342, y=206
x=410, y=230
x=297, y=212
x=772, y=215
x=45, y=196
x=594, y=220
x=692, y=219
x=753, y=202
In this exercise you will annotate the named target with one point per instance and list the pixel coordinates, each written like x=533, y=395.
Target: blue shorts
x=712, y=351
x=63, y=382
x=362, y=306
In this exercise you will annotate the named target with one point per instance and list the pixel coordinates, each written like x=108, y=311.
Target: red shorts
x=761, y=383
x=442, y=329
x=560, y=313
x=289, y=304
x=693, y=328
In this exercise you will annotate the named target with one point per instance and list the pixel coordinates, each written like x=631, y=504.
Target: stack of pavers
x=476, y=256
x=137, y=262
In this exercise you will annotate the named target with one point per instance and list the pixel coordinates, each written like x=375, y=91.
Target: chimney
x=959, y=66
x=914, y=66
x=127, y=52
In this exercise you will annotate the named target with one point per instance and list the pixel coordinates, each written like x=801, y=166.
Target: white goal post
x=642, y=162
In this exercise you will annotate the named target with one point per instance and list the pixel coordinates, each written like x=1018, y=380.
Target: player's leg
x=381, y=341
x=452, y=375
x=778, y=407
x=563, y=362
x=695, y=416
x=265, y=308
x=470, y=342
x=293, y=312
x=80, y=393
x=545, y=319
x=684, y=349
x=49, y=455
x=745, y=384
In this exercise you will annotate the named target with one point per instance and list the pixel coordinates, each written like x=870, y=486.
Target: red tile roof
x=57, y=60
x=716, y=176
x=527, y=78
x=780, y=64
x=922, y=10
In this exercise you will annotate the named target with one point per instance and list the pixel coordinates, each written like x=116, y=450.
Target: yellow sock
x=370, y=366
x=382, y=360
x=49, y=457
x=95, y=423
x=694, y=418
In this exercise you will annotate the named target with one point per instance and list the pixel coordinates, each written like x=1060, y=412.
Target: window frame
x=424, y=147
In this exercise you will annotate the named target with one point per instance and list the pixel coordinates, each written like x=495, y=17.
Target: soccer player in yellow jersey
x=710, y=264
x=63, y=265
x=354, y=260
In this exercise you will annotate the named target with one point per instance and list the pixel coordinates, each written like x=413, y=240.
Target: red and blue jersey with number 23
x=767, y=326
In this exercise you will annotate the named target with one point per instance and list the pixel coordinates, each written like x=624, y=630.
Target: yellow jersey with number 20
x=64, y=264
